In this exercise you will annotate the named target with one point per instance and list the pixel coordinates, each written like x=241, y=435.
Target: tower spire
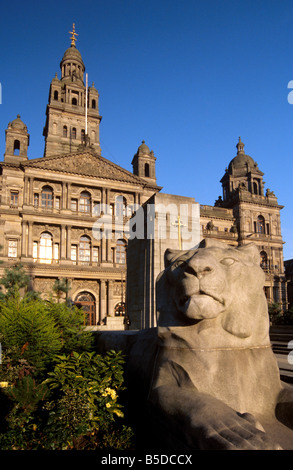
x=240, y=146
x=73, y=39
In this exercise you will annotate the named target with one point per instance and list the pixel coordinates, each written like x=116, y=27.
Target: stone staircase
x=282, y=345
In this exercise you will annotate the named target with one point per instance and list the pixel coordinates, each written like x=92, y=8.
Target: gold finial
x=73, y=39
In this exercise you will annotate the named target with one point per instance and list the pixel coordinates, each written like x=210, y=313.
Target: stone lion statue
x=206, y=377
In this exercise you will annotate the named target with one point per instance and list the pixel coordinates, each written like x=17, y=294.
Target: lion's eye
x=227, y=261
x=179, y=263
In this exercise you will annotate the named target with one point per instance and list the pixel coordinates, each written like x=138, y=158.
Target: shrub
x=76, y=407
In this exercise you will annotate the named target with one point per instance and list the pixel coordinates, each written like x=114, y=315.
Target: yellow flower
x=119, y=413
x=111, y=392
x=108, y=405
x=4, y=384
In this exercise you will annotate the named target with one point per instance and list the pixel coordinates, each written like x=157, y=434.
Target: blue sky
x=187, y=76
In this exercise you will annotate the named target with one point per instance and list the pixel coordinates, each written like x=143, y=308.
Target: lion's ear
x=170, y=256
x=251, y=251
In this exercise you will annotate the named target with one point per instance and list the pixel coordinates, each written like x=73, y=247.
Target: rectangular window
x=12, y=248
x=36, y=200
x=56, y=251
x=95, y=255
x=35, y=251
x=14, y=198
x=74, y=253
x=57, y=202
x=74, y=205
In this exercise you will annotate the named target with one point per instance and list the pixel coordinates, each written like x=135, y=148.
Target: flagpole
x=86, y=99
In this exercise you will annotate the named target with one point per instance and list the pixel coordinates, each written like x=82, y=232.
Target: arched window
x=56, y=95
x=73, y=133
x=74, y=101
x=94, y=104
x=121, y=252
x=47, y=197
x=16, y=147
x=260, y=224
x=147, y=170
x=84, y=252
x=87, y=302
x=85, y=202
x=64, y=131
x=46, y=248
x=263, y=260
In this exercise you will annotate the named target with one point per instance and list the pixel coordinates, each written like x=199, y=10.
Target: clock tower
x=72, y=115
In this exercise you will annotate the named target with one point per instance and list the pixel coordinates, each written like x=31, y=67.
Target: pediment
x=84, y=164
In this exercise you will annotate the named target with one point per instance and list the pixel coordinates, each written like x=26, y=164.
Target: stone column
x=63, y=196
x=68, y=242
x=63, y=242
x=30, y=239
x=31, y=191
x=68, y=195
x=25, y=190
x=102, y=313
x=110, y=299
x=23, y=238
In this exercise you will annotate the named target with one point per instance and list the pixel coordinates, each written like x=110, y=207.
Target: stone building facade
x=245, y=213
x=65, y=215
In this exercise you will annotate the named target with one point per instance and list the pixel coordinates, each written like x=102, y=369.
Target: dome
x=241, y=160
x=72, y=54
x=18, y=123
x=143, y=148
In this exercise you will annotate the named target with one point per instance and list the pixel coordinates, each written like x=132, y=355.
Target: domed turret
x=144, y=163
x=72, y=66
x=17, y=141
x=242, y=174
x=18, y=124
x=143, y=149
x=241, y=160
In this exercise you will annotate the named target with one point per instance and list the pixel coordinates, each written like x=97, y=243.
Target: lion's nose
x=198, y=267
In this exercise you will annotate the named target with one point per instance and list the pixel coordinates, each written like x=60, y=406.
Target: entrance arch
x=87, y=302
x=120, y=309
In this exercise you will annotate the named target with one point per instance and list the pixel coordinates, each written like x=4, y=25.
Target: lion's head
x=213, y=281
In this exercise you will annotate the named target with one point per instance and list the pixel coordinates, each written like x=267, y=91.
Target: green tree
x=61, y=286
x=28, y=331
x=14, y=279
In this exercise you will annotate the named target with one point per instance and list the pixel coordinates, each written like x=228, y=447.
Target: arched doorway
x=87, y=302
x=120, y=309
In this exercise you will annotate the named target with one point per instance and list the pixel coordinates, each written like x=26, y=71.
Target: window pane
x=84, y=249
x=14, y=198
x=47, y=198
x=84, y=203
x=74, y=205
x=96, y=255
x=120, y=252
x=12, y=248
x=46, y=248
x=56, y=251
x=73, y=252
x=35, y=250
